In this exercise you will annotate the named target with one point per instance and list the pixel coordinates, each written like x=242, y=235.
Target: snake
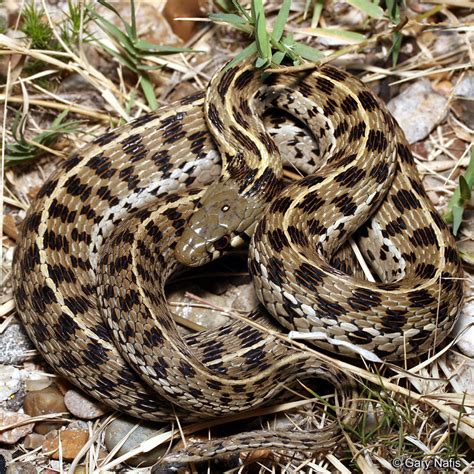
x=184, y=184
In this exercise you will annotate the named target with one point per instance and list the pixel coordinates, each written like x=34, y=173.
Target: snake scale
x=185, y=183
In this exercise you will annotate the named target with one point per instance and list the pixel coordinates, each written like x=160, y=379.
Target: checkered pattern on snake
x=108, y=228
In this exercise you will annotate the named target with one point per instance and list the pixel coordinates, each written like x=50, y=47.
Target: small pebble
x=72, y=441
x=465, y=342
x=82, y=407
x=120, y=428
x=13, y=435
x=45, y=401
x=245, y=297
x=464, y=111
x=10, y=382
x=44, y=427
x=204, y=317
x=178, y=9
x=14, y=344
x=33, y=441
x=37, y=382
x=465, y=87
x=22, y=468
x=78, y=425
x=418, y=110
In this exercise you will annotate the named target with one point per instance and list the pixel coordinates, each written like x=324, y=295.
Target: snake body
x=108, y=228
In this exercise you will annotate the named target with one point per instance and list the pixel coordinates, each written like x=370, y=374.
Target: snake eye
x=222, y=243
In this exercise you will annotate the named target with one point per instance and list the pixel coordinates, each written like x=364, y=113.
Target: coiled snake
x=108, y=228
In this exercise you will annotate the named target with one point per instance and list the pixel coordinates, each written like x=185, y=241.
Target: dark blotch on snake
x=309, y=276
x=368, y=101
x=277, y=240
x=363, y=299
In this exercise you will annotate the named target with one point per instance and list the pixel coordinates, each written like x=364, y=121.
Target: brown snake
x=110, y=226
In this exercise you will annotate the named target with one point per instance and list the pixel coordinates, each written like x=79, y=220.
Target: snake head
x=217, y=225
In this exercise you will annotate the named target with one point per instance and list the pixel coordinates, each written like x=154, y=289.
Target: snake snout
x=191, y=249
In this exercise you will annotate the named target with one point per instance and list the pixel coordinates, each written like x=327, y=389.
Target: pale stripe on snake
x=101, y=238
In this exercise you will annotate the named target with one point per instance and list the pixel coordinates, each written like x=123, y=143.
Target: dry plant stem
x=152, y=443
x=466, y=422
x=91, y=75
x=188, y=324
x=15, y=203
x=406, y=68
x=45, y=148
x=361, y=260
x=6, y=322
x=454, y=3
x=434, y=71
x=2, y=163
x=59, y=106
x=34, y=419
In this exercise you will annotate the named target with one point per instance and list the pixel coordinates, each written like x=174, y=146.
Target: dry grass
x=416, y=411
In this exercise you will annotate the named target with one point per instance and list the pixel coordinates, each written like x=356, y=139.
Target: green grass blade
x=458, y=212
x=257, y=10
x=146, y=67
x=240, y=9
x=127, y=27
x=306, y=8
x=121, y=58
x=26, y=150
x=318, y=9
x=288, y=40
x=461, y=195
x=112, y=31
x=232, y=19
x=469, y=174
x=132, y=31
x=261, y=35
x=250, y=50
x=261, y=38
x=278, y=57
x=281, y=20
x=464, y=189
x=148, y=47
x=225, y=5
x=349, y=36
x=147, y=88
x=367, y=7
x=393, y=9
x=260, y=63
x=307, y=52
x=396, y=45
x=57, y=121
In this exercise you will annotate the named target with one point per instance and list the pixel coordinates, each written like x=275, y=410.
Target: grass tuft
x=24, y=149
x=74, y=29
x=461, y=196
x=37, y=29
x=271, y=49
x=131, y=51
